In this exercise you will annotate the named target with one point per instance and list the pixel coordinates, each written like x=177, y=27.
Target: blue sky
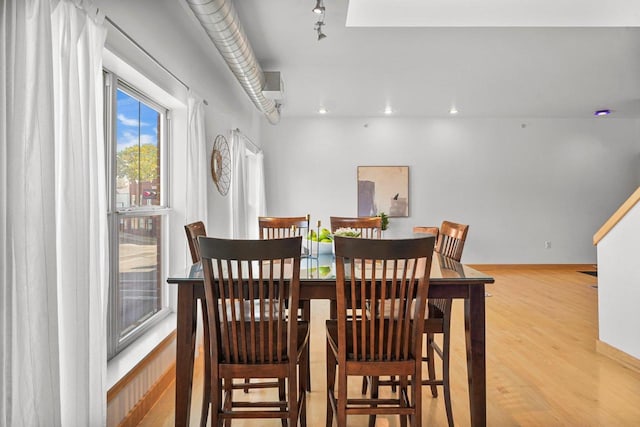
x=137, y=122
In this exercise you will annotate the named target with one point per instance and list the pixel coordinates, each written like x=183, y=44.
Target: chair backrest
x=388, y=281
x=194, y=230
x=451, y=239
x=435, y=231
x=246, y=285
x=272, y=227
x=370, y=227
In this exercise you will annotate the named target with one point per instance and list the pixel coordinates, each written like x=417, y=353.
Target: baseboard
x=618, y=355
x=575, y=267
x=143, y=406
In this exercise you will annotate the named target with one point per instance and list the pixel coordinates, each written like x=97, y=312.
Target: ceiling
x=500, y=71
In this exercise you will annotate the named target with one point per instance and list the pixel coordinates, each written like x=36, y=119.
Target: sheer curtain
x=247, y=187
x=196, y=206
x=54, y=245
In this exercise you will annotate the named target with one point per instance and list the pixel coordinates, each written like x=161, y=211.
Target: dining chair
x=277, y=227
x=193, y=231
x=255, y=338
x=370, y=227
x=427, y=230
x=378, y=273
x=450, y=244
x=451, y=239
x=272, y=227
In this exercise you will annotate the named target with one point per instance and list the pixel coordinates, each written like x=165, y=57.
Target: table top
x=321, y=269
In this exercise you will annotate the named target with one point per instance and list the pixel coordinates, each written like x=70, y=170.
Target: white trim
x=128, y=358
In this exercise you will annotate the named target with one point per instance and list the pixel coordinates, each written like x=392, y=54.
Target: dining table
x=448, y=279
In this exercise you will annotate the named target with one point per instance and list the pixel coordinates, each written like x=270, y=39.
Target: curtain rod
x=248, y=139
x=149, y=55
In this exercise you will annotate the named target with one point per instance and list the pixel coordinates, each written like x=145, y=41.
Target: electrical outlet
x=547, y=244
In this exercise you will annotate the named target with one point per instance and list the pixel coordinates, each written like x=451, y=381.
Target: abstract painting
x=383, y=189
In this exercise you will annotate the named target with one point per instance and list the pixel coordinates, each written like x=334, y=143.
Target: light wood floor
x=542, y=368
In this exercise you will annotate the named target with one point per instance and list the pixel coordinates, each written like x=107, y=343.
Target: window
x=136, y=135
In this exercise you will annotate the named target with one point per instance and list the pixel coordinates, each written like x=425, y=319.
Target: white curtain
x=196, y=191
x=81, y=213
x=247, y=187
x=53, y=216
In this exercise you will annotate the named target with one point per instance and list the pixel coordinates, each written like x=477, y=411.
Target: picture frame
x=383, y=189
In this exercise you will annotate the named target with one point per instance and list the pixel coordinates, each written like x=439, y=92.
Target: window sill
x=130, y=357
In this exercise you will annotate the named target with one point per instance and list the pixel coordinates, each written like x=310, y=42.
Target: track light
x=318, y=28
x=319, y=7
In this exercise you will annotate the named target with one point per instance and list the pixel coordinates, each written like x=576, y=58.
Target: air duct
x=220, y=21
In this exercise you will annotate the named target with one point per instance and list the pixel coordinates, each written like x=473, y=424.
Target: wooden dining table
x=449, y=279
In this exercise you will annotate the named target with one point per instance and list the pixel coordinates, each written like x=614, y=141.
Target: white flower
x=347, y=232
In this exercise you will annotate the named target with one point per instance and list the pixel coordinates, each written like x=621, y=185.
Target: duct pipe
x=220, y=21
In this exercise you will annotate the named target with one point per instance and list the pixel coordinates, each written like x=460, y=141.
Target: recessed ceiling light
x=604, y=112
x=322, y=110
x=453, y=110
x=388, y=110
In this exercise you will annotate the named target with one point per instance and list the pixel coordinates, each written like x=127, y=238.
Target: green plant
x=385, y=220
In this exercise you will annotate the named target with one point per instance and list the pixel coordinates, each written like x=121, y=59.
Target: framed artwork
x=383, y=189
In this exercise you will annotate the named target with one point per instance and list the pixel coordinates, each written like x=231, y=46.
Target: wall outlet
x=547, y=244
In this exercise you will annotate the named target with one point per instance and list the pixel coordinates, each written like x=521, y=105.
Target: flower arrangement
x=346, y=232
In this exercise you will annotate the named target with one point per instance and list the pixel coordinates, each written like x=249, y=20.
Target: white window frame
x=112, y=82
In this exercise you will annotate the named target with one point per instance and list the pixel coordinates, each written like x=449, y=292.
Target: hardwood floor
x=542, y=368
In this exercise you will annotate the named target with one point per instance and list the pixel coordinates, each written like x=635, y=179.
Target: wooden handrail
x=617, y=216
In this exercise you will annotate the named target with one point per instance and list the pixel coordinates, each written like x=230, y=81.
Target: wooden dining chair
x=193, y=231
x=272, y=227
x=370, y=227
x=378, y=273
x=418, y=230
x=435, y=231
x=450, y=244
x=451, y=239
x=254, y=337
x=278, y=227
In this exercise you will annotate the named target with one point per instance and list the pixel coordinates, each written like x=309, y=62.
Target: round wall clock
x=221, y=164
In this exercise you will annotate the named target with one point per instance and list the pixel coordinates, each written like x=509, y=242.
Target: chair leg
x=431, y=368
x=342, y=399
x=416, y=398
x=374, y=395
x=402, y=395
x=282, y=391
x=227, y=399
x=216, y=402
x=306, y=316
x=206, y=390
x=303, y=368
x=446, y=341
x=331, y=382
x=292, y=394
x=365, y=383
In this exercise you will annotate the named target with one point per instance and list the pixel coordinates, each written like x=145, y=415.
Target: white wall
x=619, y=285
x=517, y=182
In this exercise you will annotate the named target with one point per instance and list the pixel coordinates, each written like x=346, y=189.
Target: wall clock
x=221, y=164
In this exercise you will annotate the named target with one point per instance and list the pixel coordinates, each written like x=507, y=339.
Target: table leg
x=474, y=323
x=185, y=347
x=305, y=305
